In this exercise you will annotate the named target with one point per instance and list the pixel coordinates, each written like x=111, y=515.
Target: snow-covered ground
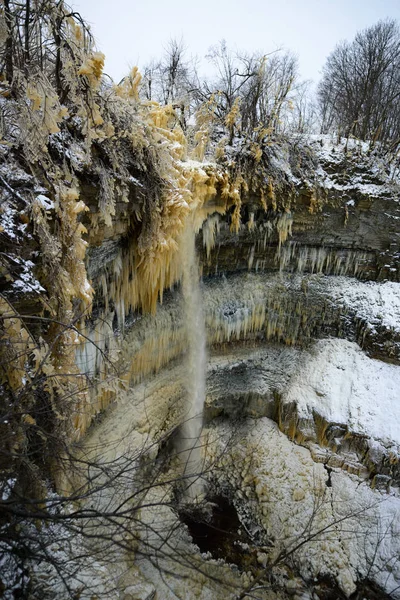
x=374, y=177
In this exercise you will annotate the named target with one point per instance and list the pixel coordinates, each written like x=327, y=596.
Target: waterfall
x=195, y=365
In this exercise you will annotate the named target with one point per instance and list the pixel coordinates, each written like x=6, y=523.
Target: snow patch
x=375, y=303
x=339, y=382
x=26, y=282
x=45, y=202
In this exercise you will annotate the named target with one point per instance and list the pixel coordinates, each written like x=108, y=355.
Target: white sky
x=132, y=32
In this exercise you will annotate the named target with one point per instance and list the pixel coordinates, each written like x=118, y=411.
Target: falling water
x=190, y=450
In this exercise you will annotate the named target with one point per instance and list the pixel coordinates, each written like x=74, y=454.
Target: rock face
x=344, y=222
x=302, y=314
x=300, y=286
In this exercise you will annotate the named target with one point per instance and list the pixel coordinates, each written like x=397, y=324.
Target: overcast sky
x=132, y=32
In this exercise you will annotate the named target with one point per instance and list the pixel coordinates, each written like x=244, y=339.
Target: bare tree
x=360, y=89
x=169, y=80
x=250, y=91
x=304, y=115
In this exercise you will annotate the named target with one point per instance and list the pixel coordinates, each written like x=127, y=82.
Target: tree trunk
x=9, y=43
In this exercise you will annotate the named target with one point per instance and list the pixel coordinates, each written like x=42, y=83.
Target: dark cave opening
x=215, y=527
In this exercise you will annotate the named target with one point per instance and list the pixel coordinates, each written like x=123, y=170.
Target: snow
x=26, y=282
x=15, y=176
x=22, y=270
x=73, y=150
x=135, y=181
x=45, y=202
x=339, y=382
x=10, y=223
x=87, y=578
x=362, y=162
x=329, y=147
x=334, y=378
x=7, y=486
x=367, y=189
x=7, y=222
x=373, y=302
x=280, y=162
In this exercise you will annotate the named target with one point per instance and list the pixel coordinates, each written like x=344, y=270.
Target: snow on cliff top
x=366, y=170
